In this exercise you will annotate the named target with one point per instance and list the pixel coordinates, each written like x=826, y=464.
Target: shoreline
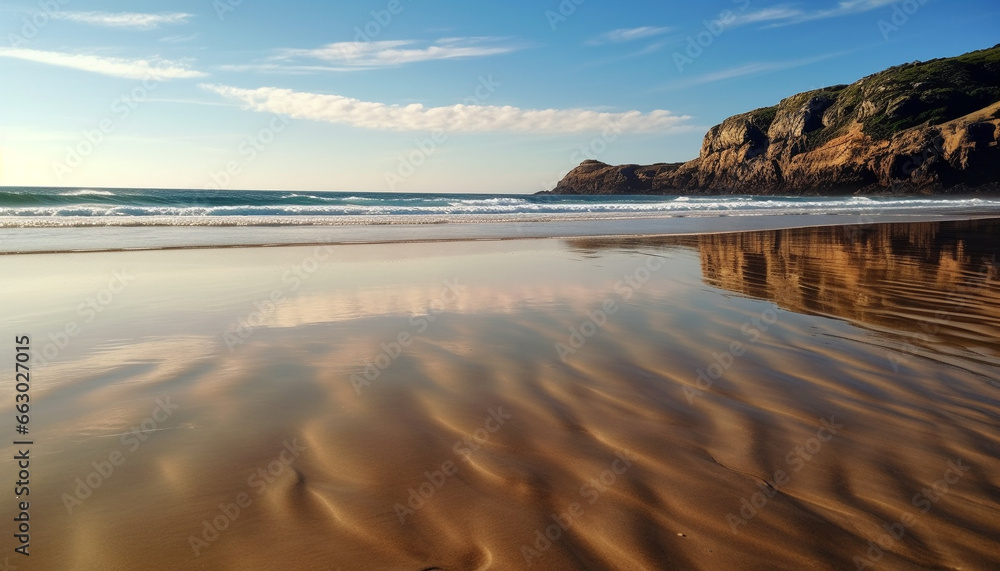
x=21, y=241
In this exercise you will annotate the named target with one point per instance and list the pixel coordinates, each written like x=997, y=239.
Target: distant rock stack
x=919, y=128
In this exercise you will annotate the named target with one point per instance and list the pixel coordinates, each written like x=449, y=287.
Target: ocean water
x=90, y=219
x=62, y=207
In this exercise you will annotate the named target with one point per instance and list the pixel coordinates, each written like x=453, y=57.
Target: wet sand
x=824, y=398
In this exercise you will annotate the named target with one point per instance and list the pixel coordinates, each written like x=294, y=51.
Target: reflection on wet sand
x=798, y=424
x=940, y=285
x=936, y=286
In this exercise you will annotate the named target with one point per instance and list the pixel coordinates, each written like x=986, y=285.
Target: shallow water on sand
x=817, y=398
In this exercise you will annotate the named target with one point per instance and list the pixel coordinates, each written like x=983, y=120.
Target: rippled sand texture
x=821, y=398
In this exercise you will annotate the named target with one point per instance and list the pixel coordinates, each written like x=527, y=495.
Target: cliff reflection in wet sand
x=935, y=284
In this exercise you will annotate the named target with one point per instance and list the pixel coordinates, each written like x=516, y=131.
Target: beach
x=822, y=397
x=410, y=286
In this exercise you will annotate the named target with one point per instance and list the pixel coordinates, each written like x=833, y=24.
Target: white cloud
x=130, y=20
x=397, y=52
x=630, y=34
x=844, y=9
x=454, y=118
x=776, y=13
x=116, y=67
x=785, y=14
x=862, y=5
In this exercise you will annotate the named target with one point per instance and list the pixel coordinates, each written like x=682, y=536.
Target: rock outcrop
x=925, y=127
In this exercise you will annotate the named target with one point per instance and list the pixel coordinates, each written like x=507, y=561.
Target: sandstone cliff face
x=919, y=128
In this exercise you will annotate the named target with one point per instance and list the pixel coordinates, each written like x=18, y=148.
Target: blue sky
x=419, y=95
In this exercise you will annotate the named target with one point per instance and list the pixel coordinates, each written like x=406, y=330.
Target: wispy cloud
x=787, y=14
x=127, y=20
x=650, y=49
x=192, y=102
x=750, y=69
x=158, y=69
x=398, y=52
x=288, y=69
x=454, y=118
x=629, y=34
x=754, y=68
x=178, y=38
x=772, y=14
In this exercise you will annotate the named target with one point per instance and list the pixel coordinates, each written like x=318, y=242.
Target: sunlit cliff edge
x=919, y=128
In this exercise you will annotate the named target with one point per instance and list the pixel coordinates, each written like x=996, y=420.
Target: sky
x=419, y=95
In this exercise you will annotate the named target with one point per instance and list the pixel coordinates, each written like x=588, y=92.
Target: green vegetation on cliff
x=763, y=117
x=916, y=93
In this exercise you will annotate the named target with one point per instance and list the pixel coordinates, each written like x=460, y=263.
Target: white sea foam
x=87, y=192
x=236, y=208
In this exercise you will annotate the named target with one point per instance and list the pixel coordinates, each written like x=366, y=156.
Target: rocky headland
x=919, y=128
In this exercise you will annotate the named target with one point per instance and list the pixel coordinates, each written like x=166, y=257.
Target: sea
x=50, y=219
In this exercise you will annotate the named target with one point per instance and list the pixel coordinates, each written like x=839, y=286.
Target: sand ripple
x=857, y=424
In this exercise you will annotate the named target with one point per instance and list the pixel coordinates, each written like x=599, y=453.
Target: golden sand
x=818, y=398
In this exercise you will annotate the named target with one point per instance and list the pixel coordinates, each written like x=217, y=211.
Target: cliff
x=924, y=127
